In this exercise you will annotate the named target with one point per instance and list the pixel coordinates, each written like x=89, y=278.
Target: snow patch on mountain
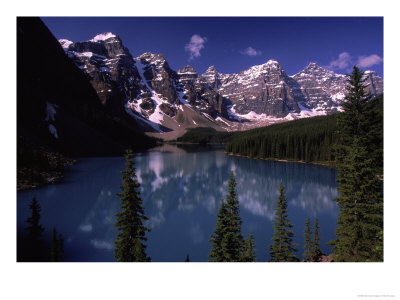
x=50, y=111
x=102, y=37
x=305, y=113
x=65, y=43
x=222, y=120
x=53, y=130
x=50, y=117
x=157, y=115
x=253, y=97
x=128, y=109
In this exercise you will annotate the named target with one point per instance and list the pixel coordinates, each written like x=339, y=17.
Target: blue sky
x=233, y=44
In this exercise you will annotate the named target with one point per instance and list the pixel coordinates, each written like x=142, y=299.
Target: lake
x=181, y=191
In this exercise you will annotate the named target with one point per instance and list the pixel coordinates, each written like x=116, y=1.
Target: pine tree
x=217, y=254
x=34, y=243
x=232, y=241
x=130, y=240
x=358, y=160
x=227, y=240
x=308, y=244
x=54, y=255
x=316, y=251
x=378, y=249
x=248, y=254
x=187, y=258
x=282, y=248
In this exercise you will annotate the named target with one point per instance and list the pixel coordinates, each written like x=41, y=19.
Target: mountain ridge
x=147, y=89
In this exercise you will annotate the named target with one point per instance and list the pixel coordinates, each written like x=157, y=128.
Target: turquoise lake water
x=181, y=192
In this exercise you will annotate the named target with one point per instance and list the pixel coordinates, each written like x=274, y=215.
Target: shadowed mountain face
x=151, y=92
x=57, y=107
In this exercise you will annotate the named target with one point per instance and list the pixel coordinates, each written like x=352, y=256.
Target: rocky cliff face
x=58, y=109
x=147, y=89
x=262, y=89
x=110, y=68
x=324, y=90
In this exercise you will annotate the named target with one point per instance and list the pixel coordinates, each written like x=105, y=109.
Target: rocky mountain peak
x=369, y=72
x=271, y=66
x=313, y=69
x=272, y=62
x=157, y=60
x=102, y=37
x=151, y=57
x=187, y=70
x=149, y=90
x=312, y=65
x=65, y=43
x=211, y=71
x=374, y=82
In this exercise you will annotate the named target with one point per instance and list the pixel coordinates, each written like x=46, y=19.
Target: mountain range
x=94, y=98
x=161, y=100
x=57, y=106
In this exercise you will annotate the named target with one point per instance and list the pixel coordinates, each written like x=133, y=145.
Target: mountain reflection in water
x=181, y=192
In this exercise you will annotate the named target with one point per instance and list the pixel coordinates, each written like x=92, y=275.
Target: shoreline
x=325, y=164
x=47, y=177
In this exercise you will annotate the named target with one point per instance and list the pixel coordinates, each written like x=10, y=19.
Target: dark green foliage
x=282, y=248
x=130, y=240
x=217, y=254
x=233, y=241
x=248, y=254
x=316, y=252
x=308, y=140
x=205, y=135
x=227, y=240
x=34, y=243
x=359, y=159
x=378, y=249
x=35, y=164
x=308, y=244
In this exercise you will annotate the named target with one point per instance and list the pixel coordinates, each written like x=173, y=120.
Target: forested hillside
x=309, y=140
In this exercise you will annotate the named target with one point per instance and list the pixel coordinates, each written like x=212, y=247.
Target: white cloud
x=99, y=244
x=86, y=228
x=368, y=61
x=195, y=45
x=342, y=62
x=250, y=51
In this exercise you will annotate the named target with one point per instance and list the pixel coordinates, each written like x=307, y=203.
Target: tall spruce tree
x=217, y=253
x=316, y=251
x=282, y=248
x=34, y=243
x=359, y=164
x=227, y=240
x=308, y=243
x=248, y=254
x=131, y=237
x=232, y=241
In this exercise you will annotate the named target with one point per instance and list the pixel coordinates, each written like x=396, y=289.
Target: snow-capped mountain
x=147, y=89
x=58, y=110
